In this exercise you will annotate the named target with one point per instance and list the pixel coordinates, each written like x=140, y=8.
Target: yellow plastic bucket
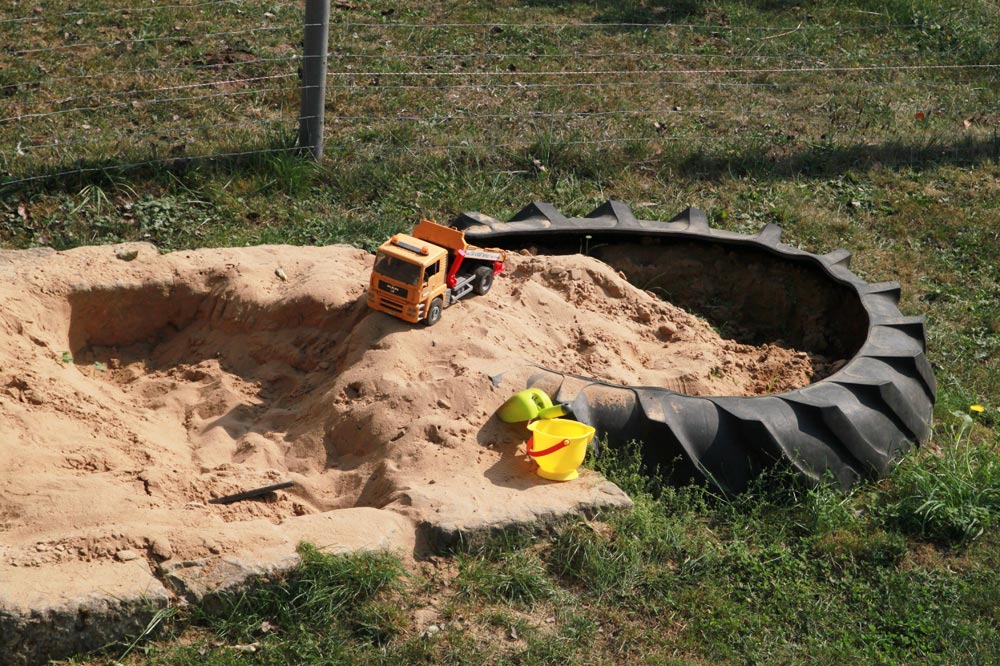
x=559, y=447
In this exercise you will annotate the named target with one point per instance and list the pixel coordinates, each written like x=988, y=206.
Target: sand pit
x=133, y=392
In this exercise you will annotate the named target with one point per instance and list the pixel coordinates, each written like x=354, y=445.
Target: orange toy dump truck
x=419, y=274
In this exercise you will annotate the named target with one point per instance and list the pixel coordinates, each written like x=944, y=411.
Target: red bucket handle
x=544, y=452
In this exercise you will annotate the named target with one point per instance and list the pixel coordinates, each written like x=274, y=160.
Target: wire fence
x=94, y=87
x=105, y=88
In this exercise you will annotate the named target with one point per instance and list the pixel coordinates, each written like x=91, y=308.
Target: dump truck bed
x=432, y=232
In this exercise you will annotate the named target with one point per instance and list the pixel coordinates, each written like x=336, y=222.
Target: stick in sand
x=251, y=494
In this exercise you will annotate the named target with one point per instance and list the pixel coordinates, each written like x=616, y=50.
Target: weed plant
x=951, y=497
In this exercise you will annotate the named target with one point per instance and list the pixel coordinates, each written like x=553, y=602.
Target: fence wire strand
x=118, y=10
x=468, y=146
x=168, y=100
x=161, y=132
x=577, y=55
x=457, y=116
x=526, y=73
x=678, y=72
x=646, y=26
x=158, y=70
x=154, y=40
x=185, y=159
x=146, y=91
x=560, y=73
x=773, y=85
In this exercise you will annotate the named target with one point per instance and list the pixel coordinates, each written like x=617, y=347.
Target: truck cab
x=417, y=275
x=408, y=274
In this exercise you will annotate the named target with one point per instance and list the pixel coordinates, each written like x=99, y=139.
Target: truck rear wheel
x=483, y=280
x=434, y=312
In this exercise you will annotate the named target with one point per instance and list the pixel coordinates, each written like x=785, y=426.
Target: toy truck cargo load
x=417, y=275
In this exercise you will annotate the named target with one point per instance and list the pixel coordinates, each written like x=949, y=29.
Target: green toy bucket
x=524, y=406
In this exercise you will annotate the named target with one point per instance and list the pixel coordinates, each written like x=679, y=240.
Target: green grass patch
x=952, y=496
x=329, y=609
x=513, y=577
x=341, y=592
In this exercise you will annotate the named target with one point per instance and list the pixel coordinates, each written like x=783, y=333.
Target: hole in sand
x=229, y=383
x=766, y=323
x=749, y=295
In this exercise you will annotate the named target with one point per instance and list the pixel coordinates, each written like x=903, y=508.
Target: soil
x=135, y=390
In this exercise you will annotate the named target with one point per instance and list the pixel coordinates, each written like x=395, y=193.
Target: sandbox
x=136, y=390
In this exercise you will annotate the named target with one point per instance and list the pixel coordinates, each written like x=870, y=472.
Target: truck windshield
x=397, y=269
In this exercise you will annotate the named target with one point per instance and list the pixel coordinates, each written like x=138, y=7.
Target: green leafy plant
x=952, y=496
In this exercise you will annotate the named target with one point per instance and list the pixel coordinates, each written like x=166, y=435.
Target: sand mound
x=132, y=392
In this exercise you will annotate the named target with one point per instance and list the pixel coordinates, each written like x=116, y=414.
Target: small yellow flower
x=978, y=409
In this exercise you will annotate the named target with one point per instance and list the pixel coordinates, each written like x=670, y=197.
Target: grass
x=952, y=497
x=328, y=606
x=894, y=155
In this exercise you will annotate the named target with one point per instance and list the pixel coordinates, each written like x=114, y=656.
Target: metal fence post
x=317, y=34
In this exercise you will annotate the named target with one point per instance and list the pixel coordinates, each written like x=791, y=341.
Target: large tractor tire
x=854, y=423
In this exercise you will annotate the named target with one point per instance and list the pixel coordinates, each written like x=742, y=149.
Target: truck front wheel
x=434, y=311
x=483, y=280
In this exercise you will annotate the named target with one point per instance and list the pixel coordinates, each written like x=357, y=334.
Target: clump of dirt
x=133, y=392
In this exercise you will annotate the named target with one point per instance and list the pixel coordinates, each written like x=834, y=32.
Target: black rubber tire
x=434, y=311
x=856, y=422
x=483, y=280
